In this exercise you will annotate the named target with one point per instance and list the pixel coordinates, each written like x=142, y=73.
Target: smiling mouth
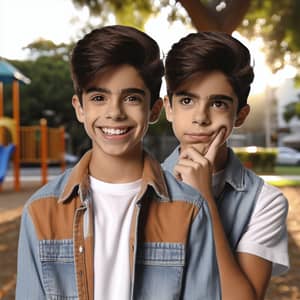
x=114, y=131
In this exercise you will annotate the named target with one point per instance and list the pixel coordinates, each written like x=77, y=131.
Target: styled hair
x=210, y=51
x=116, y=45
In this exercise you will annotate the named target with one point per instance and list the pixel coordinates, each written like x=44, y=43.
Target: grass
x=285, y=170
x=284, y=182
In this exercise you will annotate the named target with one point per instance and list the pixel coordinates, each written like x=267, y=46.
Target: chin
x=200, y=147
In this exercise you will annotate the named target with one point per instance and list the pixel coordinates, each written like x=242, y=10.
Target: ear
x=155, y=111
x=168, y=109
x=242, y=115
x=78, y=108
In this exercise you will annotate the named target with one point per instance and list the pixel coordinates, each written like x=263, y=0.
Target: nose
x=201, y=116
x=115, y=111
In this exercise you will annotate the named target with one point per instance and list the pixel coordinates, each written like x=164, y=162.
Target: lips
x=199, y=137
x=114, y=131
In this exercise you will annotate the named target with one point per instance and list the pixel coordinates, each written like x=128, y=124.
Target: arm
x=245, y=276
x=29, y=281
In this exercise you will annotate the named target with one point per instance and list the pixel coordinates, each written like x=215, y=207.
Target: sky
x=24, y=21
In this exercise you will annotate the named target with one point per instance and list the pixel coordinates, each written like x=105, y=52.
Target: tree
x=277, y=22
x=292, y=110
x=50, y=92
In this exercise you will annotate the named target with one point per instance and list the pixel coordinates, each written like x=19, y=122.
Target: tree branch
x=203, y=17
x=234, y=13
x=206, y=18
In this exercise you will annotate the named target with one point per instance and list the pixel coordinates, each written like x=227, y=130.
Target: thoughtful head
x=204, y=52
x=113, y=46
x=208, y=77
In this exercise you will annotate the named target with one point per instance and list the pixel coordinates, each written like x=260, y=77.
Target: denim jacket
x=238, y=197
x=172, y=253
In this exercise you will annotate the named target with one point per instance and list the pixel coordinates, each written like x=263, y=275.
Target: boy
x=115, y=226
x=208, y=79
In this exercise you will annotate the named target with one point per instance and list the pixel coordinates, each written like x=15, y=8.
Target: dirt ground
x=286, y=287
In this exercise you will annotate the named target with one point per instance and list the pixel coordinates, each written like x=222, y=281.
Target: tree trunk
x=207, y=18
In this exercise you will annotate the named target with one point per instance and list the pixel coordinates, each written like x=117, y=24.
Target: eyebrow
x=220, y=97
x=210, y=97
x=123, y=91
x=187, y=94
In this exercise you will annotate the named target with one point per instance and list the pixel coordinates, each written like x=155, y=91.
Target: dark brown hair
x=113, y=46
x=210, y=51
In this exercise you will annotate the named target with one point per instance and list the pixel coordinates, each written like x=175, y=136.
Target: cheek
x=228, y=125
x=178, y=127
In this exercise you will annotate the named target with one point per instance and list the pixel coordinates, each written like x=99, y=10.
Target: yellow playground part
x=10, y=125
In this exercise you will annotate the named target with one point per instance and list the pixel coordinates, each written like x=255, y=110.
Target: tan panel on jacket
x=168, y=221
x=51, y=221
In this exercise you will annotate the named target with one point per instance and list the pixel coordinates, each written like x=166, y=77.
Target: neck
x=115, y=169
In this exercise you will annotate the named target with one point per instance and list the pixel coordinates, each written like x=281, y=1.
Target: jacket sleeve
x=29, y=279
x=202, y=280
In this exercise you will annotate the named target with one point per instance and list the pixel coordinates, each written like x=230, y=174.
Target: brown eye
x=219, y=104
x=186, y=101
x=133, y=99
x=98, y=98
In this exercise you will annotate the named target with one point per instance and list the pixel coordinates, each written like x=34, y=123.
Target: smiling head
x=117, y=74
x=116, y=45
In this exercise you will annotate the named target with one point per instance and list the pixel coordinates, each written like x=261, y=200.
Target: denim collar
x=234, y=173
x=79, y=182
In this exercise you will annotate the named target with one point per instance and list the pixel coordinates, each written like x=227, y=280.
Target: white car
x=288, y=156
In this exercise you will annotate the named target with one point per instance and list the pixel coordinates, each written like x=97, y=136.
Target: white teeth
x=111, y=131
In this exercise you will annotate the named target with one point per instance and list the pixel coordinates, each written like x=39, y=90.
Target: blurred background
x=36, y=37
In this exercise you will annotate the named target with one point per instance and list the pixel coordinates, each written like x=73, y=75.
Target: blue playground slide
x=5, y=153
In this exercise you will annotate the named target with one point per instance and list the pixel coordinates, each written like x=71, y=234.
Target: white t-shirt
x=113, y=207
x=266, y=234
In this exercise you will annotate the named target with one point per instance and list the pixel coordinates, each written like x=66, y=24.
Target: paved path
x=286, y=287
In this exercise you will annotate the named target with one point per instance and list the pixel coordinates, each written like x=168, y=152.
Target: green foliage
x=277, y=22
x=126, y=12
x=292, y=110
x=50, y=93
x=261, y=160
x=42, y=47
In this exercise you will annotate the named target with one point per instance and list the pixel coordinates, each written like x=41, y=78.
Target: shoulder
x=52, y=189
x=272, y=197
x=266, y=234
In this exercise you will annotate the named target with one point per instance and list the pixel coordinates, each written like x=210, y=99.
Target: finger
x=214, y=146
x=182, y=170
x=177, y=174
x=191, y=153
x=190, y=163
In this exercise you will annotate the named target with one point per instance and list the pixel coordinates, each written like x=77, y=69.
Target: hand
x=195, y=168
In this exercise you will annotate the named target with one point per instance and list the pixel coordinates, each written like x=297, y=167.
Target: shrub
x=259, y=159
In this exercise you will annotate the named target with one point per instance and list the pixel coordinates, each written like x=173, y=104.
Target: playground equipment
x=42, y=145
x=6, y=150
x=9, y=74
x=5, y=154
x=34, y=144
